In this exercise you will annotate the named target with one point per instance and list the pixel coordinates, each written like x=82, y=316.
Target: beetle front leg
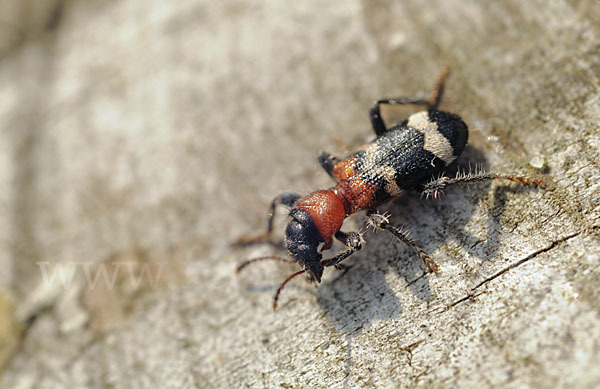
x=353, y=242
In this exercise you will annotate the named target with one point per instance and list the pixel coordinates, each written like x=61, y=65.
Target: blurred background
x=139, y=138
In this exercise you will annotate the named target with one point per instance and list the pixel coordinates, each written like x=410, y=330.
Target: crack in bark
x=527, y=258
x=409, y=349
x=471, y=296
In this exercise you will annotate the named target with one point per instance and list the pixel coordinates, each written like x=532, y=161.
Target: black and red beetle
x=410, y=155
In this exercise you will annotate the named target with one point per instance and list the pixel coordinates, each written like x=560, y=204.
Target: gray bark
x=142, y=137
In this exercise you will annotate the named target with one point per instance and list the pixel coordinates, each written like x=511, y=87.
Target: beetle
x=407, y=156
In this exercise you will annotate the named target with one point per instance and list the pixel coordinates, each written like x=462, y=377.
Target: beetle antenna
x=252, y=260
x=276, y=297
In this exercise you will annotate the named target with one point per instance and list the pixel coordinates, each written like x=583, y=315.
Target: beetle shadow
x=361, y=295
x=494, y=227
x=468, y=197
x=355, y=298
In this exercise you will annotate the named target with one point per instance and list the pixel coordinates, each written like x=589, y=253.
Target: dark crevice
x=409, y=350
x=471, y=296
x=527, y=259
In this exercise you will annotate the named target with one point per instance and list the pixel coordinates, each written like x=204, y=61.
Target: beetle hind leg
x=377, y=122
x=379, y=126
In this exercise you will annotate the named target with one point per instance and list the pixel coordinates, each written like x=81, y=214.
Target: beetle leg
x=288, y=199
x=381, y=221
x=353, y=242
x=328, y=162
x=434, y=187
x=375, y=112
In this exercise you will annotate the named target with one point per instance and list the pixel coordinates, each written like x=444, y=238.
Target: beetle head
x=302, y=240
